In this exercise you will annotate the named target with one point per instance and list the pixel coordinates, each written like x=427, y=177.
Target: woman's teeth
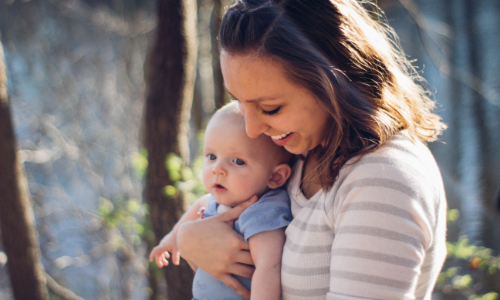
x=279, y=137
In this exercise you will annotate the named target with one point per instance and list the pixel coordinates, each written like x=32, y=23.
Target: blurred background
x=82, y=76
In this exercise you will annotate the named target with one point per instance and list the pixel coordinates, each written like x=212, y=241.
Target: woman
x=325, y=81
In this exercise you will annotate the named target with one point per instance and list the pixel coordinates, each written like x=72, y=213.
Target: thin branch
x=442, y=63
x=103, y=18
x=59, y=290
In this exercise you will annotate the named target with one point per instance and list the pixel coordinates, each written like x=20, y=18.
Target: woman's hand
x=214, y=246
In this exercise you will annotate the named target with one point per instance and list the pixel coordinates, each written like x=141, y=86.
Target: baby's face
x=235, y=167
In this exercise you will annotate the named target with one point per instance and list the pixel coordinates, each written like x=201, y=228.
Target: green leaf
x=490, y=296
x=460, y=282
x=139, y=162
x=105, y=208
x=187, y=174
x=133, y=206
x=451, y=272
x=492, y=269
x=170, y=191
x=173, y=163
x=452, y=215
x=463, y=250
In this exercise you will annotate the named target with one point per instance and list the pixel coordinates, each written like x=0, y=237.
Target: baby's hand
x=162, y=252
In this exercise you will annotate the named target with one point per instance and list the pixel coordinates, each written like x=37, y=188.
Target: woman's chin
x=295, y=149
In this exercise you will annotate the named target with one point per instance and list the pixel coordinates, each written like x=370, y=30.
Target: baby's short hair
x=231, y=112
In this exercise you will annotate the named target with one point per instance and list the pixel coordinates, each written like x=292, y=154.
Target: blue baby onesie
x=272, y=211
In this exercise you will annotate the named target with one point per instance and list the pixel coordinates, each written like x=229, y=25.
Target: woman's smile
x=282, y=139
x=273, y=104
x=281, y=136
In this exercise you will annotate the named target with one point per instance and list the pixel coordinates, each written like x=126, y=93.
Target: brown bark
x=16, y=214
x=168, y=102
x=220, y=95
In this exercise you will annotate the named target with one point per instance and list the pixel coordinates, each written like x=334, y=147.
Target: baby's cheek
x=206, y=179
x=246, y=189
x=257, y=188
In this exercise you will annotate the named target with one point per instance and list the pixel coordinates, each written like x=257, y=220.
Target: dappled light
x=82, y=79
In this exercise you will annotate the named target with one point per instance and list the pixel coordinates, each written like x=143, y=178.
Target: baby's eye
x=212, y=157
x=239, y=162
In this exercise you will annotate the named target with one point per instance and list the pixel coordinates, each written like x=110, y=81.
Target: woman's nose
x=254, y=124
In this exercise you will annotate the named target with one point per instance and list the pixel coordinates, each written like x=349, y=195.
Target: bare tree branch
x=59, y=290
x=440, y=61
x=16, y=213
x=102, y=18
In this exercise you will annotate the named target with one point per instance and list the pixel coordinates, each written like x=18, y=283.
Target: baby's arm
x=168, y=244
x=266, y=248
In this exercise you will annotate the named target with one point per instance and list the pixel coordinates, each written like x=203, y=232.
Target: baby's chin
x=229, y=202
x=242, y=198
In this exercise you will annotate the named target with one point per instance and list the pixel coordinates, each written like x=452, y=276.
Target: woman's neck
x=309, y=187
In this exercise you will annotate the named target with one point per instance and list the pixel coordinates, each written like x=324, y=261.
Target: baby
x=236, y=167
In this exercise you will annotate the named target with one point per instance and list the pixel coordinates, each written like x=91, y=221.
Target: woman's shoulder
x=398, y=154
x=400, y=180
x=401, y=162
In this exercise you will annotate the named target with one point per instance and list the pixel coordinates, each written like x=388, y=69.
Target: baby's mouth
x=219, y=188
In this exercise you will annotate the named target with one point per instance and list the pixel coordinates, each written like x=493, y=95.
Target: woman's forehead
x=253, y=79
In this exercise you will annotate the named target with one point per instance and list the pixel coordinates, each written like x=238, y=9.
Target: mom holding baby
x=326, y=82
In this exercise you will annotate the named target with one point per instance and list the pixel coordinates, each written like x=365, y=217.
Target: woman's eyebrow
x=253, y=100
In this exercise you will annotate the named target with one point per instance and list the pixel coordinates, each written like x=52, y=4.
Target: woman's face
x=272, y=104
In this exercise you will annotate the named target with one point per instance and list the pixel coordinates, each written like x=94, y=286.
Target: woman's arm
x=214, y=246
x=266, y=248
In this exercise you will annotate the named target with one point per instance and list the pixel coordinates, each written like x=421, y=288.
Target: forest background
x=108, y=99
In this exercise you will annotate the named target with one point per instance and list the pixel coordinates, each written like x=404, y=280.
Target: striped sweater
x=378, y=233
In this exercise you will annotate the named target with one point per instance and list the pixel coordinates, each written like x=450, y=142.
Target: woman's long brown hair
x=345, y=54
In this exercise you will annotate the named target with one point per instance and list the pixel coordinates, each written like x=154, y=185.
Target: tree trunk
x=168, y=103
x=220, y=95
x=16, y=215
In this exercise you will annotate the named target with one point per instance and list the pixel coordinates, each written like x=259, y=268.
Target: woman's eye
x=212, y=156
x=239, y=162
x=271, y=112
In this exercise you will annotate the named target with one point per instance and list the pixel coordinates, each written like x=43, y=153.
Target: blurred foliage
x=470, y=271
x=125, y=214
x=140, y=162
x=128, y=216
x=187, y=180
x=127, y=225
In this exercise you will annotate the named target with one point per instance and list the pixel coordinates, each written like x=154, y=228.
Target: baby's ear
x=279, y=176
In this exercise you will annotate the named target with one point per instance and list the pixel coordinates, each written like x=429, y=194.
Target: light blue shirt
x=272, y=211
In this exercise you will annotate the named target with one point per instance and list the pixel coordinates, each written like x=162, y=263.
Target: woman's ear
x=280, y=175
